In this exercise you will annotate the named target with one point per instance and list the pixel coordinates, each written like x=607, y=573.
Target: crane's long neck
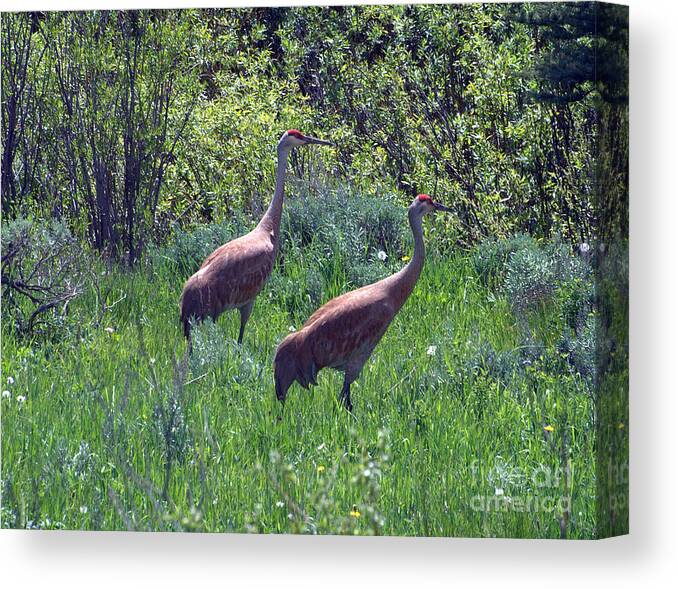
x=405, y=280
x=270, y=222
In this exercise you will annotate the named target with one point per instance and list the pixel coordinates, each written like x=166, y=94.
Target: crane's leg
x=345, y=395
x=187, y=334
x=245, y=312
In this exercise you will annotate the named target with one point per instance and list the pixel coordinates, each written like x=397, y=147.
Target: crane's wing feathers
x=237, y=270
x=347, y=328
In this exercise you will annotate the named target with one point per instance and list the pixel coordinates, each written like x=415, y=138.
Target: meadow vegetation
x=482, y=390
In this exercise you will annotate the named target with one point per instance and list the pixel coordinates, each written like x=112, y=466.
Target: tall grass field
x=475, y=415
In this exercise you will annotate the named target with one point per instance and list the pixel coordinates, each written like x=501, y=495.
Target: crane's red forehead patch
x=424, y=197
x=295, y=133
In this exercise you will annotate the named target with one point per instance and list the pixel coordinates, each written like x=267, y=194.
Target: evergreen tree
x=583, y=49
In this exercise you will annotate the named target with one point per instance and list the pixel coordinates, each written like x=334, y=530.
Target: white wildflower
x=21, y=399
x=5, y=395
x=10, y=380
x=109, y=329
x=83, y=509
x=291, y=329
x=280, y=504
x=382, y=255
x=498, y=491
x=432, y=350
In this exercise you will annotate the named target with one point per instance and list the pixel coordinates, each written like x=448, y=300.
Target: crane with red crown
x=343, y=333
x=233, y=275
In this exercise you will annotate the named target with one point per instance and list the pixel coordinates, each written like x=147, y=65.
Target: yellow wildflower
x=355, y=512
x=621, y=426
x=320, y=468
x=405, y=258
x=549, y=428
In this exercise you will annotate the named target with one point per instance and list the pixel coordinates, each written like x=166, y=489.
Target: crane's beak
x=315, y=141
x=438, y=207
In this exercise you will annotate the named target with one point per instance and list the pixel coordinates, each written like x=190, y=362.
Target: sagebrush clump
x=44, y=267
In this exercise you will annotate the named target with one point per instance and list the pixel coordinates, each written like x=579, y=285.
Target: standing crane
x=233, y=275
x=344, y=331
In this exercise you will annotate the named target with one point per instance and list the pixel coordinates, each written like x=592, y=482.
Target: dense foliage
x=123, y=124
x=471, y=406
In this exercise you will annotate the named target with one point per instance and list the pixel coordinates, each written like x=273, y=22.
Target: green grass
x=432, y=432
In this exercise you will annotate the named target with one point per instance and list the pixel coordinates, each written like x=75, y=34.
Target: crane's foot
x=282, y=410
x=345, y=398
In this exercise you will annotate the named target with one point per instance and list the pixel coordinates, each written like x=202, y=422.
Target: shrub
x=567, y=266
x=576, y=301
x=580, y=348
x=342, y=233
x=530, y=278
x=384, y=224
x=357, y=225
x=491, y=256
x=43, y=270
x=533, y=273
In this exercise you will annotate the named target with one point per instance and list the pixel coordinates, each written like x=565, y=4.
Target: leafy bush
x=490, y=257
x=567, y=265
x=359, y=224
x=342, y=233
x=575, y=301
x=384, y=224
x=43, y=269
x=530, y=272
x=530, y=278
x=580, y=348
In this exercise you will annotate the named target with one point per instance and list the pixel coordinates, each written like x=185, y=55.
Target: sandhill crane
x=344, y=331
x=233, y=274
